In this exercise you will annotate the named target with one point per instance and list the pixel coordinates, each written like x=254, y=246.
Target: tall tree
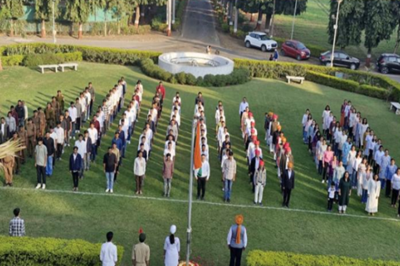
x=380, y=24
x=282, y=7
x=395, y=7
x=351, y=22
x=43, y=11
x=78, y=11
x=12, y=10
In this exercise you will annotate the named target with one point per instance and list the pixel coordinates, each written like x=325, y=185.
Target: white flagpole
x=189, y=228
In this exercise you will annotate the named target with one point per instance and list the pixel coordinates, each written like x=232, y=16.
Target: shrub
x=13, y=60
x=190, y=80
x=149, y=68
x=225, y=27
x=15, y=251
x=158, y=25
x=181, y=77
x=271, y=258
x=33, y=60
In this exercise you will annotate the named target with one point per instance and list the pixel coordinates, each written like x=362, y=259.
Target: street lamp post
x=335, y=27
x=294, y=17
x=54, y=22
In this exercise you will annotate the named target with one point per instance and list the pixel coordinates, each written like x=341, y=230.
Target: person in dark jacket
x=21, y=113
x=287, y=184
x=49, y=143
x=254, y=165
x=75, y=164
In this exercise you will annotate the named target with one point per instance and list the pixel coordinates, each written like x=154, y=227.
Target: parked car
x=340, y=59
x=295, y=49
x=260, y=40
x=388, y=63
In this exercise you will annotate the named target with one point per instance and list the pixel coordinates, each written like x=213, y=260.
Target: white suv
x=260, y=40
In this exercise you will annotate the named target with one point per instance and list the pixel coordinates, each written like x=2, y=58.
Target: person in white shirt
x=242, y=107
x=93, y=135
x=108, y=253
x=88, y=99
x=303, y=122
x=139, y=169
x=170, y=151
x=59, y=131
x=177, y=116
x=82, y=101
x=82, y=150
x=73, y=114
x=204, y=151
x=170, y=140
x=202, y=176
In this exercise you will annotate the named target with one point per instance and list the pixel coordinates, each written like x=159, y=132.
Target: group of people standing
x=349, y=156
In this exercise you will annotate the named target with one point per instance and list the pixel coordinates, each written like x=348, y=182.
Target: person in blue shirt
x=237, y=240
x=390, y=171
x=118, y=141
x=276, y=55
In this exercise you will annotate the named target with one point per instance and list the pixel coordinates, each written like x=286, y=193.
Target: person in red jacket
x=161, y=89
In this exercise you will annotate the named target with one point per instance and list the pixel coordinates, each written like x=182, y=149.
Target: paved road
x=199, y=24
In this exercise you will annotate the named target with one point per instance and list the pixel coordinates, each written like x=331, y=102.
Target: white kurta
x=172, y=252
x=325, y=119
x=374, y=190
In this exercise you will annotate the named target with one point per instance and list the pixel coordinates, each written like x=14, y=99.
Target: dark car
x=295, y=49
x=388, y=63
x=340, y=59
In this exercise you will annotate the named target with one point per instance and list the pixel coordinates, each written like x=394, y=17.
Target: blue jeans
x=383, y=183
x=49, y=165
x=354, y=178
x=73, y=129
x=227, y=189
x=123, y=150
x=110, y=180
x=93, y=153
x=364, y=196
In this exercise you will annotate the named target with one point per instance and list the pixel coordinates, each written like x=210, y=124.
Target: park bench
x=396, y=107
x=71, y=65
x=43, y=67
x=299, y=79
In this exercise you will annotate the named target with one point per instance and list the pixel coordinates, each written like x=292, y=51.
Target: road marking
x=199, y=202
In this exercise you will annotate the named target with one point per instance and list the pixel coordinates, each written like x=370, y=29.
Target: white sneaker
x=43, y=186
x=111, y=191
x=323, y=181
x=38, y=186
x=70, y=137
x=107, y=190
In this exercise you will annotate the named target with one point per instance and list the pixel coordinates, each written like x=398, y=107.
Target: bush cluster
x=238, y=76
x=33, y=60
x=15, y=251
x=271, y=258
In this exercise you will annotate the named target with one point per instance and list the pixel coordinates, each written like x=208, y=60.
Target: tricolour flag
x=197, y=148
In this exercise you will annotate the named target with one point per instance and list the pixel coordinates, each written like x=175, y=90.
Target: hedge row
x=374, y=84
x=33, y=60
x=91, y=54
x=270, y=258
x=238, y=76
x=15, y=251
x=347, y=85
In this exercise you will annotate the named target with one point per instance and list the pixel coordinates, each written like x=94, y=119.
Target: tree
x=351, y=22
x=78, y=11
x=380, y=24
x=395, y=7
x=43, y=11
x=12, y=10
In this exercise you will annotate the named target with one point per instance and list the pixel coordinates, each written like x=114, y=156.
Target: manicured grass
x=90, y=216
x=311, y=28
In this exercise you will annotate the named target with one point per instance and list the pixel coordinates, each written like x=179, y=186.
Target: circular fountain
x=197, y=64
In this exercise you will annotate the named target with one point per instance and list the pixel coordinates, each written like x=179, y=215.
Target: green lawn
x=311, y=28
x=90, y=216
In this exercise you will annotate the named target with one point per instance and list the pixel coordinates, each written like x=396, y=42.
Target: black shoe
x=202, y=198
x=198, y=197
x=229, y=200
x=10, y=184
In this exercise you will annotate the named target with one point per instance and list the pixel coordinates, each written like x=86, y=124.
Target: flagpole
x=189, y=228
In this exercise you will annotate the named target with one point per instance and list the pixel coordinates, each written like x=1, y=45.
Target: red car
x=295, y=49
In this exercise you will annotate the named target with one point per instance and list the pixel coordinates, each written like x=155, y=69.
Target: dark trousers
x=201, y=186
x=59, y=149
x=236, y=256
x=330, y=204
x=395, y=195
x=325, y=173
x=139, y=182
x=41, y=174
x=75, y=178
x=78, y=123
x=286, y=196
x=388, y=187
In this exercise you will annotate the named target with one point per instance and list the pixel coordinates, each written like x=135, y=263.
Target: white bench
x=43, y=67
x=396, y=107
x=72, y=65
x=299, y=79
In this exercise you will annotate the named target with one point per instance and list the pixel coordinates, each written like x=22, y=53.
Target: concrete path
x=199, y=23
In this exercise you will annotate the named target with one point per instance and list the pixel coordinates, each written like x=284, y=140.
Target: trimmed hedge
x=271, y=258
x=33, y=60
x=378, y=86
x=238, y=76
x=347, y=85
x=15, y=251
x=12, y=60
